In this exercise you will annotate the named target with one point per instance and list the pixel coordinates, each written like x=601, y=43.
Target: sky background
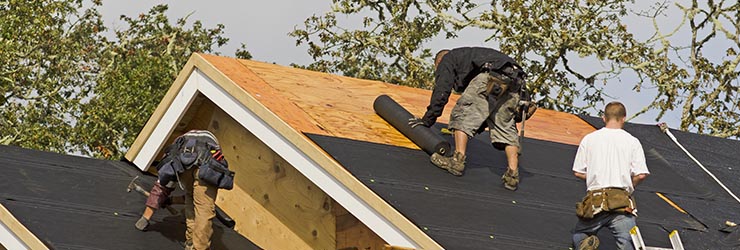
x=264, y=26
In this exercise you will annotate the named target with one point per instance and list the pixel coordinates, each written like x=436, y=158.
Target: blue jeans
x=619, y=224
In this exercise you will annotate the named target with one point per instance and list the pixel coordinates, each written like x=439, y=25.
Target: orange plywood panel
x=557, y=126
x=265, y=94
x=343, y=106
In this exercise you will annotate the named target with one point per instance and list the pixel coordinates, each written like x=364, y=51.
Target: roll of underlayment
x=398, y=117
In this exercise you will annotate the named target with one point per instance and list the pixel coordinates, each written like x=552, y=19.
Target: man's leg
x=586, y=230
x=512, y=157
x=461, y=141
x=186, y=179
x=204, y=198
x=505, y=136
x=469, y=113
x=620, y=226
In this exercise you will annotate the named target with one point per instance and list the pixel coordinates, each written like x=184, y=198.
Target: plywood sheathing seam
x=272, y=203
x=342, y=106
x=233, y=82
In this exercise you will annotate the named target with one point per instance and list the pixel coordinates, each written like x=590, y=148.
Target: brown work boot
x=589, y=243
x=511, y=179
x=457, y=164
x=440, y=161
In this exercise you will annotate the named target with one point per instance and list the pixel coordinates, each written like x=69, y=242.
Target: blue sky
x=263, y=26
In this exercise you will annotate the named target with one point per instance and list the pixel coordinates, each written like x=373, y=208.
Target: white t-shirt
x=609, y=158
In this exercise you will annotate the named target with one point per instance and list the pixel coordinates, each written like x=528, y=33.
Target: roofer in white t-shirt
x=612, y=163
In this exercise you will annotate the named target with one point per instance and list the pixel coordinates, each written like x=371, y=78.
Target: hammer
x=134, y=186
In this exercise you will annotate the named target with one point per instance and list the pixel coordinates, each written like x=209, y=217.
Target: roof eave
x=200, y=76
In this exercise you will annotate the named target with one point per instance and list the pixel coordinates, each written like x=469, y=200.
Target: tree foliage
x=549, y=38
x=700, y=74
x=388, y=47
x=137, y=69
x=65, y=87
x=47, y=66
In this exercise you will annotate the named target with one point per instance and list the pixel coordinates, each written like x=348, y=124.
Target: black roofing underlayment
x=475, y=211
x=713, y=206
x=73, y=202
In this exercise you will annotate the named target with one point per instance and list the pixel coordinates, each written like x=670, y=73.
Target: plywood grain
x=342, y=106
x=352, y=234
x=291, y=132
x=274, y=205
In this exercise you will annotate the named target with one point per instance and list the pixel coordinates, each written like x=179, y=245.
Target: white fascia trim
x=9, y=240
x=167, y=124
x=278, y=143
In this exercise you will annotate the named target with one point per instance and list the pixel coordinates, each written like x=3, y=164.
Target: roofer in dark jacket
x=195, y=161
x=490, y=82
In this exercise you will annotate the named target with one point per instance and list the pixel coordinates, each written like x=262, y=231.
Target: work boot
x=589, y=243
x=142, y=224
x=511, y=179
x=440, y=161
x=454, y=164
x=457, y=164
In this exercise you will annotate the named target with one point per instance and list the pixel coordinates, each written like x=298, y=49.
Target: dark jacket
x=457, y=68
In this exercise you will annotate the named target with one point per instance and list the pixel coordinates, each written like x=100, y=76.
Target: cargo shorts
x=475, y=107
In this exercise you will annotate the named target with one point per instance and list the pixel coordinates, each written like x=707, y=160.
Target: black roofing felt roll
x=399, y=117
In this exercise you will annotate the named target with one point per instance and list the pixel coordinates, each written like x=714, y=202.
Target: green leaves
x=388, y=47
x=64, y=87
x=549, y=38
x=45, y=64
x=137, y=70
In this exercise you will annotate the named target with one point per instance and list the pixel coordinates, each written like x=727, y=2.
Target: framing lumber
x=351, y=233
x=21, y=237
x=277, y=105
x=274, y=205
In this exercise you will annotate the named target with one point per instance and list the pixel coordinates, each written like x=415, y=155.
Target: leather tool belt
x=614, y=200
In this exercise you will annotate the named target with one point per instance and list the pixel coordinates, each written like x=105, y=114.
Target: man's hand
x=638, y=178
x=529, y=106
x=413, y=122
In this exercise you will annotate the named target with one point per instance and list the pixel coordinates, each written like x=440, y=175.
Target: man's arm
x=636, y=179
x=581, y=176
x=579, y=164
x=444, y=80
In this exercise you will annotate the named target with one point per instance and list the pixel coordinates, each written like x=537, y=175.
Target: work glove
x=415, y=121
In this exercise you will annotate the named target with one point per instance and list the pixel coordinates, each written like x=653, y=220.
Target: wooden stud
x=20, y=231
x=351, y=233
x=274, y=205
x=295, y=101
x=310, y=149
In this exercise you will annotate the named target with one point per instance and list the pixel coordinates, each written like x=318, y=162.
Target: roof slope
x=708, y=203
x=475, y=212
x=325, y=127
x=320, y=103
x=72, y=202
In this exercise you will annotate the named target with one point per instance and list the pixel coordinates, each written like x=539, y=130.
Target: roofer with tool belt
x=493, y=95
x=612, y=163
x=196, y=162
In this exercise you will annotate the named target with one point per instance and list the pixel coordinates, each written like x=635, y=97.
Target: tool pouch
x=585, y=208
x=619, y=200
x=188, y=152
x=168, y=171
x=605, y=200
x=496, y=86
x=216, y=173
